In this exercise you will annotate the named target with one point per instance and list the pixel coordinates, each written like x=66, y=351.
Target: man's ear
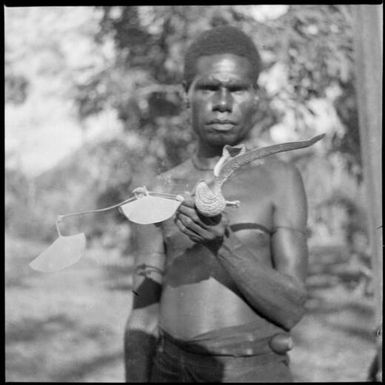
x=185, y=86
x=257, y=89
x=257, y=93
x=186, y=99
x=256, y=100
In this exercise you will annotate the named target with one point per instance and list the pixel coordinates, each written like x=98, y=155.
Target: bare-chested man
x=215, y=299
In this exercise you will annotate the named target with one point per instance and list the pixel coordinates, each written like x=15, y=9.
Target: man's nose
x=223, y=101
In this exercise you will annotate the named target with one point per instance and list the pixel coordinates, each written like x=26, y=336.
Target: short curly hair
x=221, y=40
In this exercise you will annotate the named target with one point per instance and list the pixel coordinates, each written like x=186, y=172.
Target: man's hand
x=200, y=229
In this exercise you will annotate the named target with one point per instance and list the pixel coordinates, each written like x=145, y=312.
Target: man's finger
x=190, y=223
x=204, y=223
x=190, y=212
x=188, y=202
x=210, y=221
x=191, y=234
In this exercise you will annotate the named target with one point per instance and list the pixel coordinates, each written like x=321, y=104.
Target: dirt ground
x=68, y=326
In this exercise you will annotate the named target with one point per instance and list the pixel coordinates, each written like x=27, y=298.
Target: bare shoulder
x=275, y=175
x=278, y=167
x=166, y=181
x=282, y=182
x=178, y=171
x=288, y=194
x=283, y=174
x=178, y=179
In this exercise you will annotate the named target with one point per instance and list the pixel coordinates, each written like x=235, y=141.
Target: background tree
x=131, y=70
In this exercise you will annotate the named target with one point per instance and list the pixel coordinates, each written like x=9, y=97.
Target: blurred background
x=93, y=109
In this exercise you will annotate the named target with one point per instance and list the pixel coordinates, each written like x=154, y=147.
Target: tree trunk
x=367, y=24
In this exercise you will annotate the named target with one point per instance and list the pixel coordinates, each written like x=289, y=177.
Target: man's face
x=223, y=99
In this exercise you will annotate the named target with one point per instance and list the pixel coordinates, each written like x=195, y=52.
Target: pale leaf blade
x=150, y=209
x=64, y=252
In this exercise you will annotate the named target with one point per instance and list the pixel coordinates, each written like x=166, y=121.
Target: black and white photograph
x=193, y=193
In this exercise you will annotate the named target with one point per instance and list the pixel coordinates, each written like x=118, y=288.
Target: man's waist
x=243, y=340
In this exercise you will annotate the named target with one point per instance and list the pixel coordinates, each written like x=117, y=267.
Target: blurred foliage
x=15, y=84
x=100, y=174
x=15, y=198
x=16, y=87
x=132, y=66
x=347, y=143
x=313, y=42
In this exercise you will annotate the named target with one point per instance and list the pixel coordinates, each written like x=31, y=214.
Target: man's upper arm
x=289, y=241
x=150, y=247
x=147, y=277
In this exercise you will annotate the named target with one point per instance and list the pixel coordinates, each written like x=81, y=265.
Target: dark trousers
x=173, y=363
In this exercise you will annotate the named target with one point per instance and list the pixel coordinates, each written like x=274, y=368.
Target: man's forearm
x=139, y=351
x=275, y=295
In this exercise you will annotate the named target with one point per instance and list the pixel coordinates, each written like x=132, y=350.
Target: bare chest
x=251, y=221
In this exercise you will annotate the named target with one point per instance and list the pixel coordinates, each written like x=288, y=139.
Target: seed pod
x=208, y=202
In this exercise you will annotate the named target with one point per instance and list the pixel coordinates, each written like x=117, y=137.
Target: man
x=215, y=299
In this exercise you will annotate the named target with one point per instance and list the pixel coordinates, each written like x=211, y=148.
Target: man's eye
x=208, y=88
x=237, y=90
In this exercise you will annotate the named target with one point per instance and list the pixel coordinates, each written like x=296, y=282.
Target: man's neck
x=207, y=156
x=204, y=163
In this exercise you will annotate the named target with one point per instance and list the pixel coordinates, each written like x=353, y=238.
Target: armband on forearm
x=149, y=291
x=303, y=232
x=147, y=270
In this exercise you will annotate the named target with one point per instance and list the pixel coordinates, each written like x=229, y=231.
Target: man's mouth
x=221, y=125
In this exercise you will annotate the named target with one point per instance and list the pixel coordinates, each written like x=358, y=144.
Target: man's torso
x=198, y=294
